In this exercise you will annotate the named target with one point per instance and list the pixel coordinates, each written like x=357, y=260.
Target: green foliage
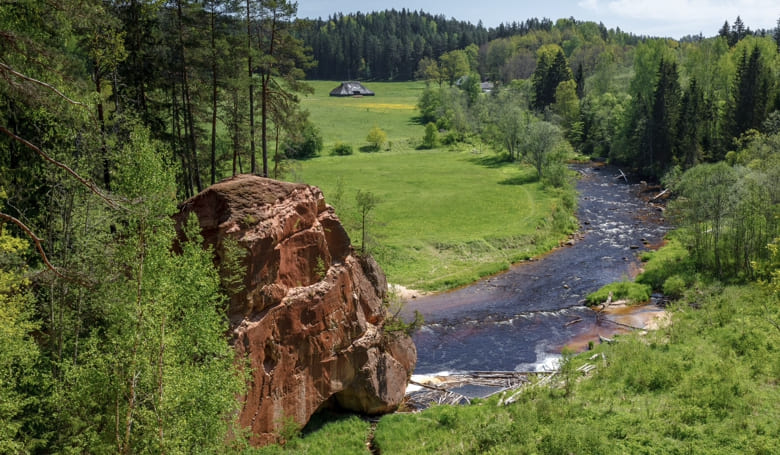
x=366, y=202
x=341, y=149
x=454, y=65
x=394, y=322
x=552, y=69
x=673, y=259
x=22, y=388
x=542, y=147
x=727, y=217
x=326, y=434
x=289, y=431
x=771, y=268
x=705, y=384
x=674, y=286
x=622, y=290
x=306, y=144
x=431, y=138
x=232, y=267
x=376, y=138
x=567, y=104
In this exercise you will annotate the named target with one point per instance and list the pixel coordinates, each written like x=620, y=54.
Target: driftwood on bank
x=443, y=390
x=659, y=194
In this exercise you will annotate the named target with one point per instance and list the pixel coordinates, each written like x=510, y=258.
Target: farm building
x=351, y=88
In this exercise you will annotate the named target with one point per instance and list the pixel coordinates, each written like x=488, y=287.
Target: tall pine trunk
x=213, y=96
x=253, y=166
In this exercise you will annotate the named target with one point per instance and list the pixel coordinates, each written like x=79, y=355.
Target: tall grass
x=706, y=384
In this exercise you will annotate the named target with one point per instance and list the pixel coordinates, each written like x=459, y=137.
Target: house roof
x=351, y=88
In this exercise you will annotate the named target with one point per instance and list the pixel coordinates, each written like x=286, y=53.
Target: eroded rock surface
x=309, y=318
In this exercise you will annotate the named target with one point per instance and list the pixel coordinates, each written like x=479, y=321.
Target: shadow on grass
x=417, y=120
x=497, y=161
x=522, y=179
x=319, y=419
x=369, y=149
x=492, y=161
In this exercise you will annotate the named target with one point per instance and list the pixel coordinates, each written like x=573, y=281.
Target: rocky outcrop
x=309, y=318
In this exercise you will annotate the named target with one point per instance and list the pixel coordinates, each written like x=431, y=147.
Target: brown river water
x=520, y=320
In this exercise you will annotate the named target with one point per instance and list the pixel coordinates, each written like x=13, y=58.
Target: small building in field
x=351, y=88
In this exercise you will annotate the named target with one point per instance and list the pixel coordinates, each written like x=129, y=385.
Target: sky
x=663, y=18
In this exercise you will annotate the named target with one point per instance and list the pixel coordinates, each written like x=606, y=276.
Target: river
x=520, y=320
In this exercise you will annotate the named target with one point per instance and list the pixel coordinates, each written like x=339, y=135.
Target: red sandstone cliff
x=309, y=319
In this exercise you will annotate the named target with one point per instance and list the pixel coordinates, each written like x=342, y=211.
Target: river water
x=521, y=319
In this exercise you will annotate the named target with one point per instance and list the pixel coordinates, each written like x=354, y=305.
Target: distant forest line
x=388, y=45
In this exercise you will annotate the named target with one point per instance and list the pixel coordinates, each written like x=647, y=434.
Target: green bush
x=305, y=145
x=431, y=138
x=341, y=149
x=672, y=259
x=621, y=290
x=376, y=138
x=674, y=286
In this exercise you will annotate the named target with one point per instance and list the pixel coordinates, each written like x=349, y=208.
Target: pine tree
x=663, y=120
x=690, y=126
x=738, y=31
x=280, y=66
x=551, y=69
x=749, y=101
x=776, y=35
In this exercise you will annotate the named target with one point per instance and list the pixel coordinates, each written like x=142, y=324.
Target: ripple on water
x=518, y=320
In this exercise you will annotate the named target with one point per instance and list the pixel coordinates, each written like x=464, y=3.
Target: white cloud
x=589, y=4
x=762, y=13
x=670, y=17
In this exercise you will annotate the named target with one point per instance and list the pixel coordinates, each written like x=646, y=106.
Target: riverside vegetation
x=112, y=112
x=705, y=383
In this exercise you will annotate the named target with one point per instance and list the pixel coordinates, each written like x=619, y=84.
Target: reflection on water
x=521, y=319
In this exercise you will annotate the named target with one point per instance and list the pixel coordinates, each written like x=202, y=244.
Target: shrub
x=305, y=145
x=674, y=286
x=376, y=138
x=341, y=149
x=672, y=259
x=431, y=138
x=628, y=290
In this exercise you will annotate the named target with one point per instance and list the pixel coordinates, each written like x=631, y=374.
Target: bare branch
x=94, y=188
x=35, y=239
x=42, y=84
x=39, y=246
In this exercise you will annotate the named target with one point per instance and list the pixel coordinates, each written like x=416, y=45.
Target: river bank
x=521, y=319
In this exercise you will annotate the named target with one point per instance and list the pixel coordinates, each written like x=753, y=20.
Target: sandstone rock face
x=309, y=318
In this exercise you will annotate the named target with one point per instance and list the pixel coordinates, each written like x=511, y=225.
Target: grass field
x=446, y=217
x=349, y=119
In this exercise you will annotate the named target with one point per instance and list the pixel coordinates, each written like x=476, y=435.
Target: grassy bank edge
x=706, y=383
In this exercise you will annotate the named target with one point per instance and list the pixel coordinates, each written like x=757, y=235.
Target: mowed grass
x=444, y=218
x=348, y=119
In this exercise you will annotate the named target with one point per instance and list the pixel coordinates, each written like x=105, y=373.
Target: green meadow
x=445, y=217
x=348, y=120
